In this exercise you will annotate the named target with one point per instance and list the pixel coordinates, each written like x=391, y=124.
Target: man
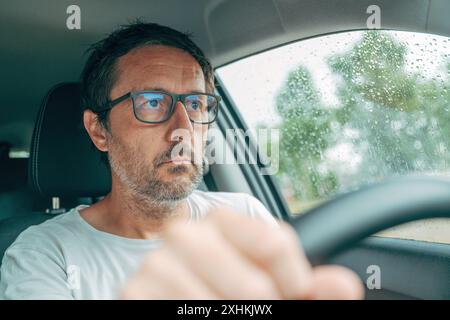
x=153, y=236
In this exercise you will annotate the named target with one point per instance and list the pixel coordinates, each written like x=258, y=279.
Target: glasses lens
x=201, y=108
x=152, y=107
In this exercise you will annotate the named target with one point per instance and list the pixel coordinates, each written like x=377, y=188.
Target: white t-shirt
x=66, y=258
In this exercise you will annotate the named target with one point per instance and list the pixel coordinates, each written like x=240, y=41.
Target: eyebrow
x=156, y=89
x=135, y=89
x=164, y=90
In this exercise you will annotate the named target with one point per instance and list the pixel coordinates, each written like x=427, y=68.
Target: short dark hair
x=99, y=73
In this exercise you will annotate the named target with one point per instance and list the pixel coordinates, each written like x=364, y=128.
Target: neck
x=126, y=213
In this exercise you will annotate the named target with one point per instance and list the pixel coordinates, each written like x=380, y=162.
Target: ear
x=95, y=130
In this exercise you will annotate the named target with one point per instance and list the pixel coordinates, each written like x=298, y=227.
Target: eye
x=195, y=103
x=154, y=103
x=150, y=101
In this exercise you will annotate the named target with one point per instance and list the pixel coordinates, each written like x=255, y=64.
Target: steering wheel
x=341, y=223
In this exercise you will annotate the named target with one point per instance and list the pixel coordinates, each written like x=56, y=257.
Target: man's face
x=140, y=154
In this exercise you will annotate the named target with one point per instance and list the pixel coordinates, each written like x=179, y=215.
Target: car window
x=351, y=109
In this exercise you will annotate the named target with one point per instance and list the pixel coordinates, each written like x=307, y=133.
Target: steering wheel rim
x=342, y=222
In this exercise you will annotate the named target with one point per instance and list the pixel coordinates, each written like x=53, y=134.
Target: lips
x=178, y=161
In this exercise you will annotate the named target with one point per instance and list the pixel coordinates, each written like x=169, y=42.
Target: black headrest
x=63, y=161
x=4, y=150
x=13, y=174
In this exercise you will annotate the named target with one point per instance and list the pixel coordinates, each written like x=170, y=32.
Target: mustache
x=183, y=150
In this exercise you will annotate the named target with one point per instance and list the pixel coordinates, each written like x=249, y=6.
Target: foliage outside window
x=352, y=109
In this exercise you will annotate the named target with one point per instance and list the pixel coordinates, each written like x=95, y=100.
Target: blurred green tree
x=400, y=120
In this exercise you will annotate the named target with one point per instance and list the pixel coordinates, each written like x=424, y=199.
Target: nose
x=179, y=120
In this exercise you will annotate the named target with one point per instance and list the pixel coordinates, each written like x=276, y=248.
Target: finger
x=224, y=270
x=162, y=276
x=336, y=283
x=276, y=250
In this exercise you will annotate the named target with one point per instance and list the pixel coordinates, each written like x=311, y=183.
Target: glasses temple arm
x=115, y=102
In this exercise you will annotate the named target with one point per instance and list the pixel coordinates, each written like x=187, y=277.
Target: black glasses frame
x=175, y=98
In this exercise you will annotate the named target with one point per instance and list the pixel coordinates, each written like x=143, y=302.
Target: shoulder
x=48, y=235
x=34, y=266
x=204, y=202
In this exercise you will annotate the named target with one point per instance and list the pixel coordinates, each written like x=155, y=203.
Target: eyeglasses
x=158, y=106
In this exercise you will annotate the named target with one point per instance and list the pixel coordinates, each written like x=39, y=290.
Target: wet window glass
x=351, y=108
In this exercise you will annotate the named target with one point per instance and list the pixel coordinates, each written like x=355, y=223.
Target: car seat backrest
x=15, y=194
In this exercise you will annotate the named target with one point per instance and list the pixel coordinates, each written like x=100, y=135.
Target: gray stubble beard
x=145, y=187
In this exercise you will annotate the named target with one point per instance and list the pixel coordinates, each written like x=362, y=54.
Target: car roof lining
x=38, y=50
